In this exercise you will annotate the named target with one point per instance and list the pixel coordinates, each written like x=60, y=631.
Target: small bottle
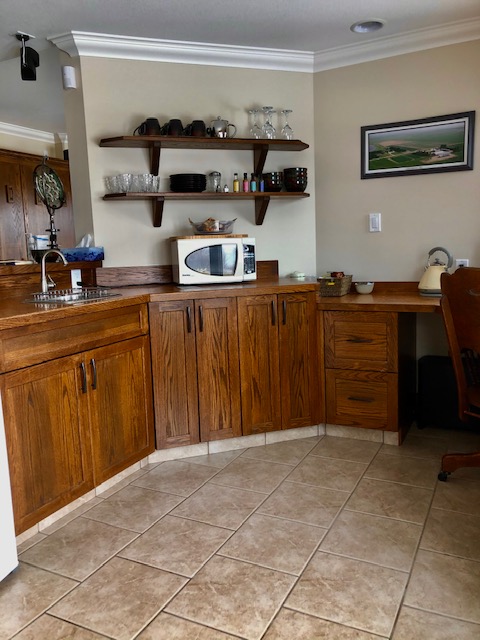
x=225, y=188
x=261, y=184
x=236, y=183
x=246, y=184
x=253, y=183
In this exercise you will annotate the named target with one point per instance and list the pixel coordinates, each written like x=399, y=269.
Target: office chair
x=460, y=305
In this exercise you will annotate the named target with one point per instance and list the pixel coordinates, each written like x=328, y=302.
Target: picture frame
x=414, y=147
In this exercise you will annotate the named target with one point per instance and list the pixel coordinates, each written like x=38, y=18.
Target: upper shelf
x=260, y=148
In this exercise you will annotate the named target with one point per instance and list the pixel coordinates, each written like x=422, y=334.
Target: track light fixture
x=29, y=58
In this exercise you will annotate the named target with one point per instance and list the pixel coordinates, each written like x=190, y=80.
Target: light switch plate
x=375, y=222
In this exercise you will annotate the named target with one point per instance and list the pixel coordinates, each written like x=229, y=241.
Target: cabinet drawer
x=361, y=340
x=45, y=341
x=362, y=399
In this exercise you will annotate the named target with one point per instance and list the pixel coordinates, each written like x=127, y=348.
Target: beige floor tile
x=350, y=592
x=219, y=505
x=418, y=447
x=457, y=534
x=293, y=625
x=275, y=543
x=61, y=522
x=413, y=624
x=79, y=548
x=25, y=594
x=390, y=543
x=254, y=475
x=217, y=460
x=134, y=508
x=167, y=627
x=49, y=628
x=232, y=596
x=121, y=484
x=420, y=473
x=119, y=599
x=329, y=473
x=176, y=476
x=30, y=542
x=391, y=499
x=455, y=495
x=287, y=452
x=304, y=503
x=346, y=449
x=176, y=544
x=446, y=585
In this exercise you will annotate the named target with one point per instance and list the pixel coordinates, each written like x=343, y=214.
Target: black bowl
x=273, y=181
x=295, y=184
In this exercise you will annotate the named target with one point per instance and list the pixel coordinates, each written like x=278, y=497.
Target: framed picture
x=429, y=145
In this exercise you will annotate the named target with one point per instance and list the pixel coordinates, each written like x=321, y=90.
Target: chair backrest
x=460, y=306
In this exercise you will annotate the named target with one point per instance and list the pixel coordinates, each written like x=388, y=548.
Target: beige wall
x=119, y=94
x=418, y=212
x=26, y=145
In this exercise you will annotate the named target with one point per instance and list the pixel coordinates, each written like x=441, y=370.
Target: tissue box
x=83, y=254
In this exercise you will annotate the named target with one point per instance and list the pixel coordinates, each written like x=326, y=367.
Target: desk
x=368, y=344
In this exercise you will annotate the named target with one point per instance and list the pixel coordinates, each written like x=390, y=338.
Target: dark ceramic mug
x=151, y=127
x=174, y=127
x=197, y=129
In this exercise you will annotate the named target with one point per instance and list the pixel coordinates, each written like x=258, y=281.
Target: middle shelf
x=262, y=199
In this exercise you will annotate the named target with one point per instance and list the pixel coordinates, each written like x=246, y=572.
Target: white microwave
x=213, y=259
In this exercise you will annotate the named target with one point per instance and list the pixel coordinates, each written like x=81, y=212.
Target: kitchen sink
x=71, y=296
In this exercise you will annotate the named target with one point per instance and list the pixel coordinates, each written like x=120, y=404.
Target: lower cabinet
x=73, y=422
x=278, y=362
x=195, y=370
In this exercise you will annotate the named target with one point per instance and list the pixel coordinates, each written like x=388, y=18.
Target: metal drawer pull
x=189, y=319
x=284, y=307
x=200, y=311
x=84, y=377
x=94, y=369
x=360, y=340
x=9, y=193
x=360, y=399
x=274, y=313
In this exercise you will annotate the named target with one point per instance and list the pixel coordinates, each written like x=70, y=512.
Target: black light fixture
x=29, y=58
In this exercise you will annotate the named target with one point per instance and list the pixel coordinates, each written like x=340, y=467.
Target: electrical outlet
x=461, y=262
x=375, y=222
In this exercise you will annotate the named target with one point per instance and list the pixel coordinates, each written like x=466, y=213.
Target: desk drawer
x=362, y=399
x=46, y=341
x=361, y=340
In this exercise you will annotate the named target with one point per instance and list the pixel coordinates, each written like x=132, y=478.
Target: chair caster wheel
x=443, y=475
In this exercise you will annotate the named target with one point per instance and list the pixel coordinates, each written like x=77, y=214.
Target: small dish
x=364, y=287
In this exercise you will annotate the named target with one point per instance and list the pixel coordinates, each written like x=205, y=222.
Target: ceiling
x=313, y=26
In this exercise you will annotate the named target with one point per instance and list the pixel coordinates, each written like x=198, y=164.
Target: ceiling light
x=29, y=58
x=367, y=26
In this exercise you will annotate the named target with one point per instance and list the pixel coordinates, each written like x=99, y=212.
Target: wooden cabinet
x=73, y=421
x=195, y=370
x=278, y=362
x=370, y=368
x=21, y=211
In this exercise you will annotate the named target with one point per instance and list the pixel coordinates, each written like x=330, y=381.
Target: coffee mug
x=196, y=128
x=151, y=127
x=173, y=127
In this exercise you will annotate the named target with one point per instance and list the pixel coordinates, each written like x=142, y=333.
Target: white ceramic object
x=364, y=287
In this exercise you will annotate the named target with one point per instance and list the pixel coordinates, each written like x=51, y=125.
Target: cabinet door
x=120, y=403
x=259, y=363
x=298, y=360
x=218, y=368
x=174, y=367
x=48, y=440
x=12, y=224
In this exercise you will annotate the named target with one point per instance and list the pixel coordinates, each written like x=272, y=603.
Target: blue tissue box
x=83, y=254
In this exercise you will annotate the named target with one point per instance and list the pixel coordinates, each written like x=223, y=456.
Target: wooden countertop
x=397, y=297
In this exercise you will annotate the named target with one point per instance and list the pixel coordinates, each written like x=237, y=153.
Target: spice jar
x=214, y=181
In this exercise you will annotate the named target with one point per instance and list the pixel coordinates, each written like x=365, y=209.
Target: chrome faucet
x=45, y=283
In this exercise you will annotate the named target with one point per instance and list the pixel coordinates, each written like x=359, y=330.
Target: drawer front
x=362, y=399
x=46, y=341
x=361, y=340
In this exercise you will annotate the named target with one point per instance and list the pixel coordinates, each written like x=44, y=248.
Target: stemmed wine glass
x=256, y=130
x=268, y=129
x=287, y=131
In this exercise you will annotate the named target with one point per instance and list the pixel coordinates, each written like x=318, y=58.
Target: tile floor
x=323, y=537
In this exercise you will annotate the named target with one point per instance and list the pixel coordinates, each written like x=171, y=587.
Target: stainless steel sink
x=71, y=296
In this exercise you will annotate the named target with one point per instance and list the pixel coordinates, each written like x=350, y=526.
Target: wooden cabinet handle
x=189, y=319
x=284, y=312
x=84, y=377
x=360, y=399
x=200, y=312
x=274, y=313
x=94, y=371
x=360, y=340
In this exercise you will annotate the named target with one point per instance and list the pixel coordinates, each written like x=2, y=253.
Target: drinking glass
x=268, y=129
x=287, y=131
x=256, y=130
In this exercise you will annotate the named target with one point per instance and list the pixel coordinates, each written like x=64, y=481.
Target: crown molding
x=99, y=45
x=389, y=46
x=30, y=134
x=78, y=43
